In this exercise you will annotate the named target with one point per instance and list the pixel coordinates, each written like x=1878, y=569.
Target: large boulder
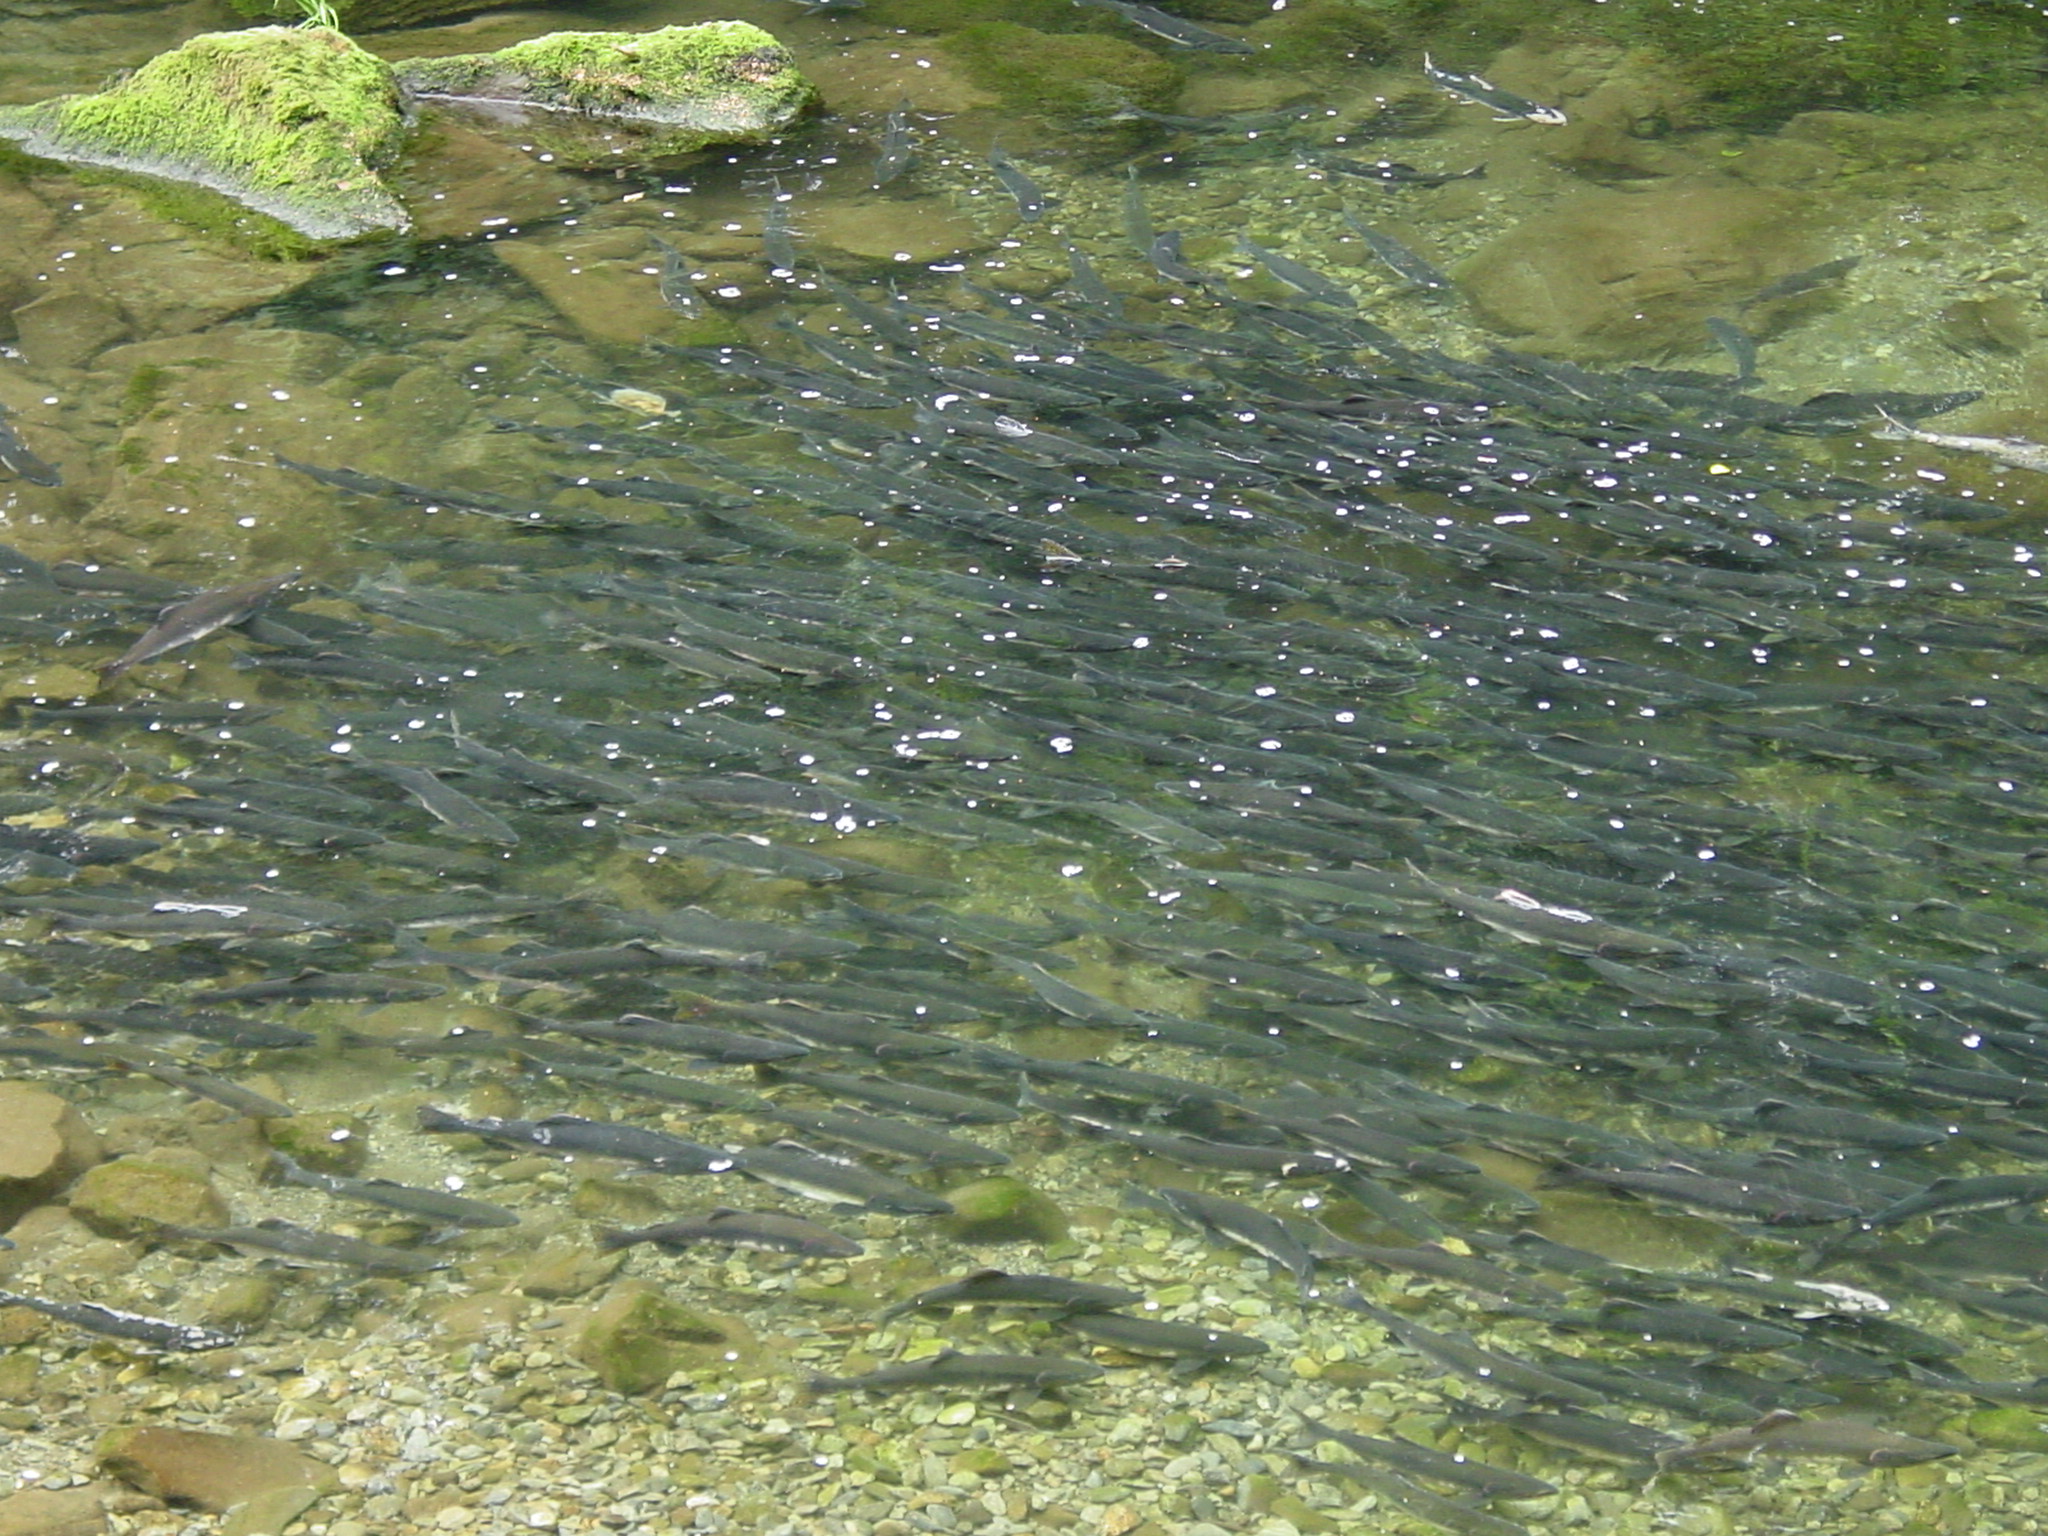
x=294, y=122
x=1612, y=274
x=604, y=97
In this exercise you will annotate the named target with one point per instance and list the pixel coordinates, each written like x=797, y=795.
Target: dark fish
x=157, y=1332
x=1154, y=1336
x=1506, y=106
x=899, y=1138
x=1394, y=172
x=902, y=1098
x=677, y=291
x=1739, y=345
x=764, y=1231
x=1087, y=284
x=434, y=1204
x=17, y=458
x=995, y=1288
x=835, y=1181
x=444, y=802
x=953, y=1369
x=311, y=985
x=1137, y=219
x=777, y=243
x=694, y=1040
x=1164, y=254
x=187, y=622
x=836, y=1029
x=1304, y=279
x=1803, y=281
x=1694, y=1191
x=1414, y=1499
x=899, y=146
x=1424, y=1461
x=153, y=1018
x=1030, y=200
x=1826, y=1126
x=310, y=1246
x=661, y=1087
x=1232, y=1221
x=1587, y=1434
x=1174, y=29
x=1464, y=1356
x=243, y=1101
x=594, y=1138
x=1784, y=1433
x=1669, y=1322
x=1953, y=1196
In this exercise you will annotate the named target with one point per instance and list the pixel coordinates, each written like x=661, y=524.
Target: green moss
x=327, y=1140
x=1238, y=13
x=291, y=121
x=1758, y=62
x=637, y=1338
x=1003, y=1210
x=1326, y=34
x=1461, y=32
x=144, y=388
x=950, y=15
x=1064, y=76
x=722, y=82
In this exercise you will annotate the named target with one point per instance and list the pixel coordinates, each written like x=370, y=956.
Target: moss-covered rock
x=294, y=122
x=327, y=1141
x=1003, y=1210
x=1761, y=61
x=637, y=1338
x=1064, y=77
x=2007, y=1428
x=612, y=94
x=1322, y=34
x=134, y=1195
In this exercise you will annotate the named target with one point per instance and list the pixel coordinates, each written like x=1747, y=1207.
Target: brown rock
x=67, y=329
x=599, y=281
x=133, y=1195
x=1613, y=274
x=636, y=1338
x=77, y=1511
x=913, y=231
x=44, y=1145
x=215, y=1472
x=564, y=1269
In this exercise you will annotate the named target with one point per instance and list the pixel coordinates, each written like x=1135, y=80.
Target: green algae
x=1761, y=61
x=947, y=15
x=1340, y=34
x=293, y=122
x=721, y=82
x=1753, y=63
x=1003, y=1210
x=1064, y=77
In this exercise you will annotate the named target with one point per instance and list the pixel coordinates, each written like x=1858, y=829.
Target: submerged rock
x=44, y=1144
x=637, y=1338
x=1003, y=1210
x=134, y=1194
x=1610, y=274
x=604, y=96
x=294, y=122
x=215, y=1472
